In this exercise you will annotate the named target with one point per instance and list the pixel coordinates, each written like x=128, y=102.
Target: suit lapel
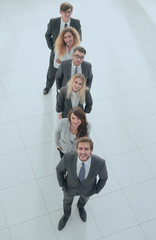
x=83, y=68
x=92, y=166
x=69, y=104
x=69, y=70
x=72, y=22
x=75, y=168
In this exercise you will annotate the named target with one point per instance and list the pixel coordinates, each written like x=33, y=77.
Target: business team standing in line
x=80, y=172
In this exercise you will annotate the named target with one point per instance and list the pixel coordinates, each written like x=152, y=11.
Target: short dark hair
x=80, y=49
x=65, y=6
x=85, y=140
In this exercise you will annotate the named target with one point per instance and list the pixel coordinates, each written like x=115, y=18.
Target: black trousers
x=51, y=72
x=68, y=200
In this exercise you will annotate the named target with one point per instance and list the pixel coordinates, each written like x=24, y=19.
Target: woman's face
x=77, y=84
x=75, y=121
x=69, y=39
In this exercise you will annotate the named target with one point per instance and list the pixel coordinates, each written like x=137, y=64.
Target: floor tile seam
x=26, y=221
x=94, y=136
x=107, y=154
x=5, y=217
x=130, y=65
x=122, y=230
x=26, y=148
x=137, y=146
x=120, y=116
x=131, y=185
x=122, y=189
x=17, y=121
x=146, y=57
x=32, y=117
x=22, y=93
x=139, y=223
x=128, y=151
x=11, y=187
x=46, y=206
x=147, y=105
x=145, y=161
x=17, y=126
x=95, y=223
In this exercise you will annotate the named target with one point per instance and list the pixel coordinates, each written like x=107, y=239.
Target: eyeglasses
x=79, y=57
x=67, y=12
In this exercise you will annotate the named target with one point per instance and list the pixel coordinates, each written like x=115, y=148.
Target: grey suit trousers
x=68, y=200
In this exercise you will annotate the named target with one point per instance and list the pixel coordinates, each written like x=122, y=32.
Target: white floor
x=120, y=39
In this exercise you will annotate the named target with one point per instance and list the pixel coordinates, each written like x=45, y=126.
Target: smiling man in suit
x=69, y=67
x=77, y=175
x=55, y=26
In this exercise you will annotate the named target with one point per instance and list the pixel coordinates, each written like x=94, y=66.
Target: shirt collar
x=86, y=162
x=74, y=65
x=68, y=23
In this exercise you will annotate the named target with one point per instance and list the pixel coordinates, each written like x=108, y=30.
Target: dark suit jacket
x=64, y=104
x=64, y=73
x=71, y=183
x=53, y=30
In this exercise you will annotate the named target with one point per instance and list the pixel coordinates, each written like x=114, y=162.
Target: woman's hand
x=60, y=115
x=59, y=147
x=58, y=60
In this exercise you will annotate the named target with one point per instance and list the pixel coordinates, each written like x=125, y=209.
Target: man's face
x=84, y=152
x=78, y=58
x=66, y=15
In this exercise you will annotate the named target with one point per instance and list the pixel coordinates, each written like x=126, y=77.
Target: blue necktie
x=65, y=25
x=82, y=173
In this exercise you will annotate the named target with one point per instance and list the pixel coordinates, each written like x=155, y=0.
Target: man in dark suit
x=55, y=26
x=77, y=175
x=69, y=67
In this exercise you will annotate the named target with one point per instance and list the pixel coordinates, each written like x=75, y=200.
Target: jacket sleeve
x=49, y=36
x=59, y=77
x=90, y=77
x=103, y=176
x=89, y=127
x=89, y=102
x=58, y=132
x=80, y=31
x=60, y=171
x=60, y=101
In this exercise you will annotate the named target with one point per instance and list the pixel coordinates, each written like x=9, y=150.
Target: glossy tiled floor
x=120, y=38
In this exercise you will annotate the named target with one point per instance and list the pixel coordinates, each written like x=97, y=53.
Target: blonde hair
x=60, y=44
x=81, y=91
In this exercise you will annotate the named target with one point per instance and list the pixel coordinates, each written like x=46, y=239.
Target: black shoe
x=83, y=214
x=62, y=223
x=46, y=90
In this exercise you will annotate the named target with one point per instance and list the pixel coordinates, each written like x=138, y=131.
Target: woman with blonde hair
x=74, y=94
x=70, y=129
x=65, y=43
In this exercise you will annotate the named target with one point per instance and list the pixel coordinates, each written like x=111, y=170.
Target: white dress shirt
x=75, y=99
x=87, y=165
x=73, y=67
x=63, y=23
x=66, y=56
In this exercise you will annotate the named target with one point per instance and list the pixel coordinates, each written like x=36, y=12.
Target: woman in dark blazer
x=75, y=94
